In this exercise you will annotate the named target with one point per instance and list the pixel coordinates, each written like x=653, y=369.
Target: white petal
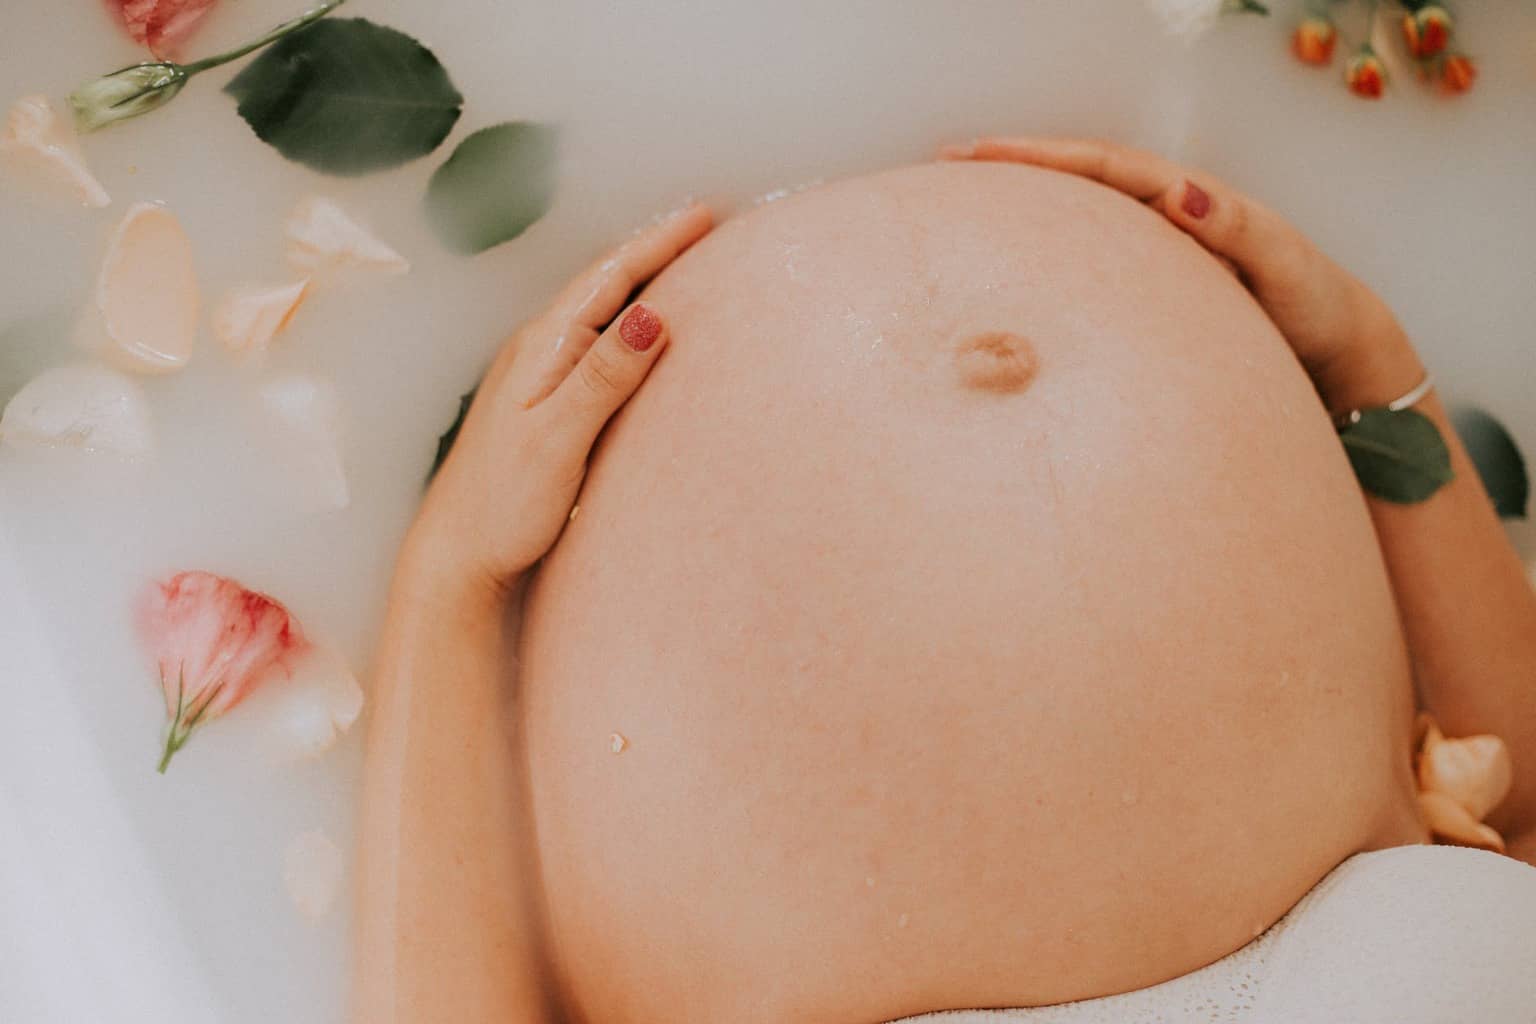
x=89, y=407
x=312, y=867
x=322, y=236
x=33, y=129
x=147, y=292
x=247, y=319
x=308, y=415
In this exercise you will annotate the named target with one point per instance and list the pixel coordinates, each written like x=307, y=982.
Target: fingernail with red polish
x=1197, y=202
x=641, y=327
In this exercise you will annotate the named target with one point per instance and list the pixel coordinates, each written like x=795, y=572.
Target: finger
x=585, y=306
x=599, y=292
x=611, y=371
x=1243, y=234
x=1263, y=247
x=1137, y=173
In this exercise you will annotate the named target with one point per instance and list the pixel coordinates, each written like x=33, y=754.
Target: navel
x=996, y=362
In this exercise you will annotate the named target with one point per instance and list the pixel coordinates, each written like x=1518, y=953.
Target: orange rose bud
x=1365, y=74
x=1313, y=41
x=1457, y=73
x=1427, y=31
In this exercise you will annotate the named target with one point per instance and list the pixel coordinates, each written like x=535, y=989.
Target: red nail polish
x=641, y=328
x=1197, y=202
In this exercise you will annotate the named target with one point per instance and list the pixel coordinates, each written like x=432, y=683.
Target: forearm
x=1467, y=608
x=444, y=929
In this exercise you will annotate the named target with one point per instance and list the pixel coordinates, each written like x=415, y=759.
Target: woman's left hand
x=500, y=500
x=1342, y=332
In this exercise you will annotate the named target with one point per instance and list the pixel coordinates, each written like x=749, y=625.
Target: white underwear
x=1410, y=935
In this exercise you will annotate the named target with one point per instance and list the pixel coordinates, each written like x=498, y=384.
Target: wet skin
x=988, y=608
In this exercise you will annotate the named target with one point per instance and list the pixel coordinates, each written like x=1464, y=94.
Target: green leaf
x=1497, y=459
x=445, y=443
x=346, y=96
x=497, y=183
x=1397, y=456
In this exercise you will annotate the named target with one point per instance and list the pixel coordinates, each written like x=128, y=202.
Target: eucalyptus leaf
x=1497, y=458
x=1398, y=456
x=497, y=183
x=346, y=96
x=445, y=443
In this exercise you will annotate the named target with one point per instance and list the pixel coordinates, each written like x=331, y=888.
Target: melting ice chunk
x=85, y=406
x=316, y=706
x=312, y=867
x=307, y=415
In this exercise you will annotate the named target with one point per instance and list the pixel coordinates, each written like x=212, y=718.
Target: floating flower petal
x=312, y=868
x=33, y=130
x=147, y=294
x=247, y=319
x=1449, y=821
x=1475, y=771
x=309, y=414
x=215, y=642
x=322, y=236
x=160, y=24
x=88, y=407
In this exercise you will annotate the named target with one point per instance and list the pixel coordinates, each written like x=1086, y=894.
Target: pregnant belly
x=973, y=609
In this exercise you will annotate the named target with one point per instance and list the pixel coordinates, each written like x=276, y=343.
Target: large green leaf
x=497, y=183
x=1497, y=459
x=346, y=96
x=1398, y=456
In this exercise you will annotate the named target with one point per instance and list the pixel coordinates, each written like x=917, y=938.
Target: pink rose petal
x=215, y=642
x=160, y=24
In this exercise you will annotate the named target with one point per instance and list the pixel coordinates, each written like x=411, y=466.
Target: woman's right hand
x=1343, y=333
x=500, y=500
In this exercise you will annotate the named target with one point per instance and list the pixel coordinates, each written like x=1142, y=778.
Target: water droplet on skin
x=901, y=922
x=869, y=881
x=1129, y=796
x=617, y=743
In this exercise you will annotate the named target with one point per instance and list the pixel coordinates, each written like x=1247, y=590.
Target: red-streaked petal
x=208, y=631
x=160, y=24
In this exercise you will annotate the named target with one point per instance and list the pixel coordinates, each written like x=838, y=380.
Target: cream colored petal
x=247, y=319
x=316, y=706
x=34, y=131
x=85, y=406
x=1475, y=771
x=312, y=870
x=322, y=236
x=1450, y=821
x=307, y=412
x=147, y=294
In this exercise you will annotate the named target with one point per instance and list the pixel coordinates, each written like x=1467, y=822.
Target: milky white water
x=127, y=896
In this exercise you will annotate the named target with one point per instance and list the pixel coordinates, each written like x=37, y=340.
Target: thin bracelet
x=1406, y=401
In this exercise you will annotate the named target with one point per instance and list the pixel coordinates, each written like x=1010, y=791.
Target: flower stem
x=172, y=744
x=1370, y=23
x=277, y=33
